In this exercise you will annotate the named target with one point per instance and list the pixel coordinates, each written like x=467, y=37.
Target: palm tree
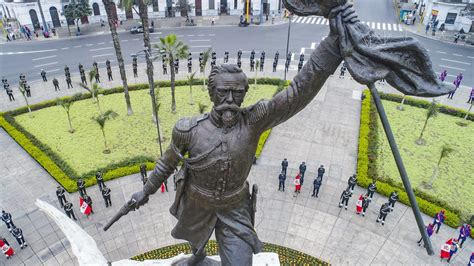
x=94, y=90
x=101, y=119
x=67, y=104
x=21, y=87
x=191, y=81
x=445, y=151
x=118, y=52
x=432, y=111
x=205, y=58
x=171, y=48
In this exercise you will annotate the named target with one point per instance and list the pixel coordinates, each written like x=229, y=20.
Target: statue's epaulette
x=258, y=111
x=182, y=129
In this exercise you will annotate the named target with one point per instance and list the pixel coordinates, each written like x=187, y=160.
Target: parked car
x=139, y=29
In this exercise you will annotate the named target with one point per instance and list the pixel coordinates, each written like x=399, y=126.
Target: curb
x=435, y=39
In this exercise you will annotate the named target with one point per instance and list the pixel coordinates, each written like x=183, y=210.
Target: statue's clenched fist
x=140, y=198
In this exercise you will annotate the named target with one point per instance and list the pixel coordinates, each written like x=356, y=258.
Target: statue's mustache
x=225, y=107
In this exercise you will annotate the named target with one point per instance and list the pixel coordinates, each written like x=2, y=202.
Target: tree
x=75, y=11
x=66, y=104
x=101, y=119
x=21, y=87
x=94, y=90
x=400, y=107
x=432, y=111
x=205, y=58
x=445, y=151
x=118, y=52
x=171, y=48
x=183, y=6
x=191, y=81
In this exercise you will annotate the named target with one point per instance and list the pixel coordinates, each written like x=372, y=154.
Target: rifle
x=253, y=200
x=129, y=206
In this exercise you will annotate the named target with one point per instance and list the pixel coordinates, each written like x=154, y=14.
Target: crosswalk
x=373, y=25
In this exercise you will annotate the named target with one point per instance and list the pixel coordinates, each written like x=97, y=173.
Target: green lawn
x=454, y=184
x=128, y=136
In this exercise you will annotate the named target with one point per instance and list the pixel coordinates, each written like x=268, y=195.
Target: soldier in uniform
x=165, y=69
x=190, y=66
x=316, y=185
x=321, y=171
x=213, y=56
x=99, y=177
x=61, y=197
x=69, y=210
x=213, y=63
x=106, y=195
x=69, y=82
x=371, y=190
x=384, y=210
x=275, y=63
x=81, y=67
x=56, y=84
x=239, y=54
x=226, y=57
x=287, y=62
x=262, y=61
x=277, y=56
x=97, y=77
x=83, y=77
x=281, y=181
x=43, y=75
x=95, y=66
x=176, y=65
x=284, y=165
x=7, y=219
x=66, y=71
x=18, y=234
x=302, y=169
x=343, y=70
x=135, y=67
x=143, y=173
x=252, y=65
x=351, y=182
x=109, y=70
x=239, y=63
x=89, y=202
x=213, y=194
x=81, y=187
x=201, y=58
x=300, y=66
x=252, y=55
x=392, y=199
x=22, y=77
x=27, y=89
x=9, y=93
x=344, y=200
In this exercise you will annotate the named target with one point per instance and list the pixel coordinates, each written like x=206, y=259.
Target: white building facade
x=448, y=12
x=27, y=12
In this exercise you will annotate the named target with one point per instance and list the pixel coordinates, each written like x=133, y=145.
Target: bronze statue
x=212, y=191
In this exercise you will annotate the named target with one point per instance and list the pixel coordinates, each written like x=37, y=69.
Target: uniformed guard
x=344, y=200
x=252, y=55
x=277, y=56
x=201, y=58
x=239, y=63
x=81, y=67
x=190, y=56
x=384, y=210
x=316, y=185
x=165, y=69
x=81, y=187
x=61, y=197
x=69, y=82
x=95, y=66
x=69, y=210
x=213, y=63
x=176, y=65
x=88, y=200
x=275, y=63
x=99, y=177
x=284, y=166
x=56, y=84
x=226, y=57
x=288, y=61
x=371, y=190
x=43, y=75
x=213, y=55
x=351, y=182
x=302, y=57
x=106, y=195
x=66, y=71
x=343, y=70
x=97, y=77
x=22, y=77
x=10, y=93
x=261, y=65
x=300, y=65
x=321, y=171
x=392, y=199
x=365, y=204
x=143, y=173
x=262, y=57
x=190, y=66
x=252, y=65
x=7, y=219
x=302, y=169
x=27, y=89
x=18, y=234
x=109, y=74
x=135, y=67
x=281, y=181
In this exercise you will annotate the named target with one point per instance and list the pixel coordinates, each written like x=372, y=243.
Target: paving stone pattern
x=326, y=132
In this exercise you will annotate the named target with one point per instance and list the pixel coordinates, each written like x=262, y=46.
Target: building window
x=211, y=5
x=235, y=4
x=450, y=18
x=96, y=9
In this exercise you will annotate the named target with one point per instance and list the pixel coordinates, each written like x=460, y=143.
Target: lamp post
x=147, y=54
x=290, y=16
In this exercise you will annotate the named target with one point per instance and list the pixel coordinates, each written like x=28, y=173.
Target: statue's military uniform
x=215, y=172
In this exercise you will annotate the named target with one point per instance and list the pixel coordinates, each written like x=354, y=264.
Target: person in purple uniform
x=429, y=231
x=443, y=75
x=471, y=96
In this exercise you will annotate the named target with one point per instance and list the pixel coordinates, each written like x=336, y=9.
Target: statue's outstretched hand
x=345, y=14
x=140, y=198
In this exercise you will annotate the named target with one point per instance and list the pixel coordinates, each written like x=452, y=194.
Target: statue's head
x=227, y=88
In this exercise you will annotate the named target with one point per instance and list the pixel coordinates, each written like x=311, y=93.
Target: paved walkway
x=446, y=36
x=326, y=132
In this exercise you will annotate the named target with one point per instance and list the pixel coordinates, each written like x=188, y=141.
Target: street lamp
x=290, y=16
x=148, y=54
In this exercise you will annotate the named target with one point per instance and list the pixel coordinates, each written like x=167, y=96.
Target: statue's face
x=228, y=95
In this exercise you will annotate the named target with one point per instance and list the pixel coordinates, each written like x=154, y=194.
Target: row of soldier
x=16, y=232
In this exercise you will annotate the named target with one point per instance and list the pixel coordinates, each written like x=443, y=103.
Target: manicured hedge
x=61, y=171
x=367, y=155
x=287, y=256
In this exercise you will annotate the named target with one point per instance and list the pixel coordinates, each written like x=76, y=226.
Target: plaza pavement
x=326, y=132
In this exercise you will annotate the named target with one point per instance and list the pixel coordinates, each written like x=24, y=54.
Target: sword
x=129, y=206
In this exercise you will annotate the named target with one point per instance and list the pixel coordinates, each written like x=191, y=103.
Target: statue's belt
x=216, y=198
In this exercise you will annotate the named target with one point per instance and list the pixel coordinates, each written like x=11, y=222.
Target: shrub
x=261, y=142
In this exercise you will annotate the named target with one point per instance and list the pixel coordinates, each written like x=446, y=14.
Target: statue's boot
x=197, y=260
